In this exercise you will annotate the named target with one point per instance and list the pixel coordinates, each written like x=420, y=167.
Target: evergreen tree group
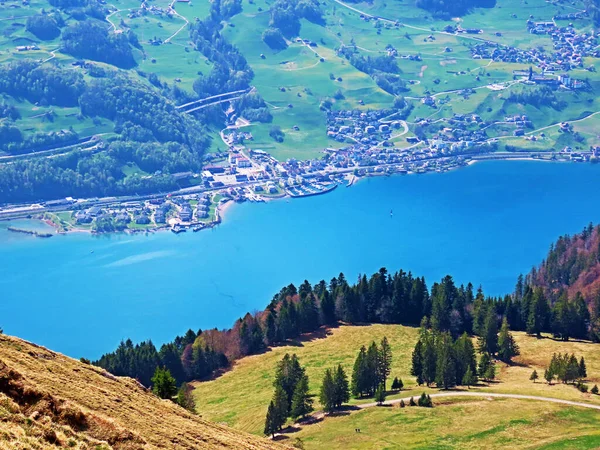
x=371, y=368
x=291, y=396
x=438, y=358
x=335, y=390
x=565, y=368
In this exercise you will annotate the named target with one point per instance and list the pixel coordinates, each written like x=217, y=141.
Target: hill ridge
x=48, y=400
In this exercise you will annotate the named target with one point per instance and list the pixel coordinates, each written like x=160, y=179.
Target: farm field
x=229, y=399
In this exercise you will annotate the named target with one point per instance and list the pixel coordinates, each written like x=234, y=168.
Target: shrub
x=594, y=389
x=412, y=402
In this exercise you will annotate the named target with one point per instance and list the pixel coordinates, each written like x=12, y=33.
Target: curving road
x=488, y=394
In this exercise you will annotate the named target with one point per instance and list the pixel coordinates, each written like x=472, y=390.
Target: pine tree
x=469, y=379
x=548, y=376
x=327, y=392
x=280, y=407
x=270, y=328
x=402, y=404
x=372, y=369
x=342, y=389
x=287, y=375
x=539, y=312
x=163, y=383
x=464, y=356
x=507, y=347
x=270, y=423
x=429, y=358
x=359, y=374
x=490, y=373
x=582, y=368
x=484, y=363
x=594, y=389
x=301, y=401
x=397, y=384
x=534, y=376
x=412, y=402
x=445, y=368
x=417, y=362
x=488, y=341
x=385, y=361
x=380, y=394
x=425, y=401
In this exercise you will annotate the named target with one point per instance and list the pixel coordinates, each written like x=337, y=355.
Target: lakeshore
x=118, y=286
x=175, y=209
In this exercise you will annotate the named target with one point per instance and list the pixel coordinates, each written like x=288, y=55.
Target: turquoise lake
x=81, y=294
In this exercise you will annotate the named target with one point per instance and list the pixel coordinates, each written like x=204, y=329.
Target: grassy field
x=240, y=396
x=458, y=424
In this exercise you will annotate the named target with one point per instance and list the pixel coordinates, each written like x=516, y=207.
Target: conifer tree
x=534, y=376
x=490, y=373
x=359, y=373
x=327, y=392
x=469, y=378
x=163, y=383
x=301, y=401
x=380, y=394
x=342, y=389
x=372, y=369
x=595, y=389
x=488, y=340
x=539, y=312
x=280, y=407
x=417, y=362
x=464, y=356
x=385, y=361
x=445, y=369
x=287, y=375
x=484, y=363
x=582, y=368
x=397, y=384
x=402, y=404
x=507, y=347
x=429, y=359
x=548, y=376
x=270, y=424
x=412, y=402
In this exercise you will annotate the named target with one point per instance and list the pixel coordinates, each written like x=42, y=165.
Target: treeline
x=188, y=357
x=91, y=39
x=446, y=9
x=286, y=15
x=383, y=69
x=400, y=298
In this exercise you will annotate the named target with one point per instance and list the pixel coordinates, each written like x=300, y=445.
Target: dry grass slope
x=48, y=400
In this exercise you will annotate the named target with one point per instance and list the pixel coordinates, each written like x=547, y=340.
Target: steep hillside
x=48, y=400
x=572, y=265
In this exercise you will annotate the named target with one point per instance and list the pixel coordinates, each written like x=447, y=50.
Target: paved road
x=488, y=394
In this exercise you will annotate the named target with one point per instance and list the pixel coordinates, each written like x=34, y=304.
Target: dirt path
x=489, y=395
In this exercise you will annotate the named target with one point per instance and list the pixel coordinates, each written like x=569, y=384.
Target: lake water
x=82, y=294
